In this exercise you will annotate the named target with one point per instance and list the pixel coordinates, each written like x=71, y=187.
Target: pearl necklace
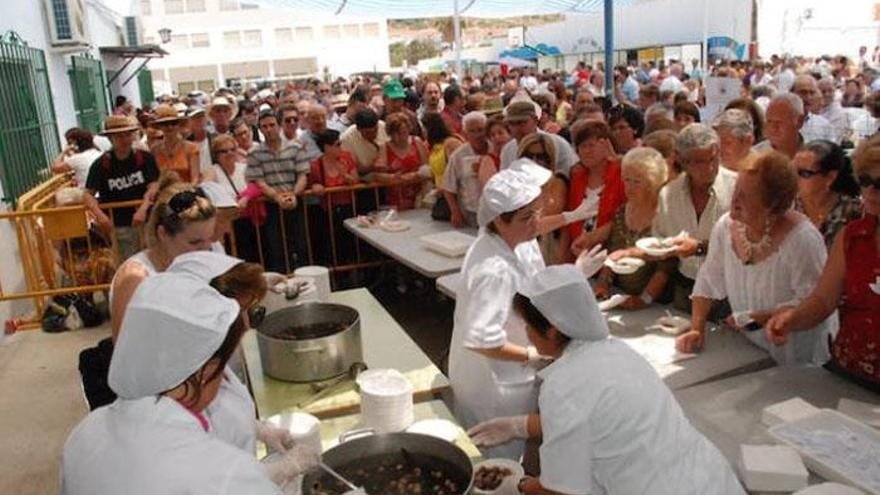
x=752, y=249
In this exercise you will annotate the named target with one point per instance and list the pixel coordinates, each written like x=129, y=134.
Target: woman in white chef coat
x=232, y=413
x=177, y=335
x=609, y=424
x=489, y=356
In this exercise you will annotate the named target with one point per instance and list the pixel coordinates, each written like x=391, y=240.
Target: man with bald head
x=784, y=119
x=815, y=126
x=315, y=123
x=831, y=109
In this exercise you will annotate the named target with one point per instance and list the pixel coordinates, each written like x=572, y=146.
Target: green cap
x=394, y=90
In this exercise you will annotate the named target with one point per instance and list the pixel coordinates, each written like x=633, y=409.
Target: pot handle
x=356, y=433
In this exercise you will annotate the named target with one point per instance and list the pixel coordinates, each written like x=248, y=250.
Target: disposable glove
x=536, y=360
x=590, y=262
x=292, y=463
x=277, y=439
x=499, y=430
x=579, y=214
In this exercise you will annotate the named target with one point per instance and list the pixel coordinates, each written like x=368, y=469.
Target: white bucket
x=320, y=275
x=386, y=400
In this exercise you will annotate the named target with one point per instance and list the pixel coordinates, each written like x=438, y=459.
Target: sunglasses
x=224, y=151
x=808, y=174
x=542, y=156
x=866, y=181
x=291, y=120
x=184, y=200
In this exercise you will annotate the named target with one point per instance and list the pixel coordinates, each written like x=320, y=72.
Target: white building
x=216, y=43
x=53, y=75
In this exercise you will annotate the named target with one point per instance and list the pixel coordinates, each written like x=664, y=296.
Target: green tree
x=412, y=51
x=397, y=53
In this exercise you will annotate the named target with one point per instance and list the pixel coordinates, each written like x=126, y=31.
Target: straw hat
x=117, y=124
x=220, y=101
x=339, y=101
x=166, y=113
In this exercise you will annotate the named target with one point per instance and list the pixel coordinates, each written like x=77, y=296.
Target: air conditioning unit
x=67, y=23
x=133, y=31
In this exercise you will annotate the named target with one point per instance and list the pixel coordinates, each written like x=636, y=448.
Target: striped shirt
x=279, y=170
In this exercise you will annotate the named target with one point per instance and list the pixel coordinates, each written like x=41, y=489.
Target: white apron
x=154, y=445
x=485, y=388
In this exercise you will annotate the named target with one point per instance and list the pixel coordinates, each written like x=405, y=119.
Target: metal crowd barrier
x=62, y=252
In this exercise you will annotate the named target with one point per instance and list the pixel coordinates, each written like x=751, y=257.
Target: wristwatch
x=702, y=248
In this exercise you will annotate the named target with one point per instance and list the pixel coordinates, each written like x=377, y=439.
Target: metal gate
x=89, y=95
x=28, y=132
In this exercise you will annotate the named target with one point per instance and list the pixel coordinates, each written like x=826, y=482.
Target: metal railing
x=62, y=253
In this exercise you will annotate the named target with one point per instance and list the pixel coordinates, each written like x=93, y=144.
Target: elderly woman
x=736, y=134
x=850, y=284
x=608, y=423
x=499, y=135
x=663, y=141
x=827, y=190
x=762, y=255
x=402, y=158
x=685, y=113
x=542, y=150
x=626, y=125
x=156, y=437
x=644, y=173
x=173, y=152
x=334, y=168
x=596, y=179
x=749, y=106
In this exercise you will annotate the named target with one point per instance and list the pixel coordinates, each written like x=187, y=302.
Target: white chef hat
x=204, y=265
x=172, y=326
x=220, y=197
x=563, y=296
x=511, y=189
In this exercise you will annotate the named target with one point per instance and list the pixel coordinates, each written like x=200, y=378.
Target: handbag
x=440, y=210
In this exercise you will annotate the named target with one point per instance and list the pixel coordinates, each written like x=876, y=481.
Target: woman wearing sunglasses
x=850, y=284
x=540, y=149
x=827, y=190
x=173, y=152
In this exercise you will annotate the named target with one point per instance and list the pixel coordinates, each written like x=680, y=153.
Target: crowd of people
x=767, y=212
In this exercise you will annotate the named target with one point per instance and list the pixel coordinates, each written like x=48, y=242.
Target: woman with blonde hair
x=644, y=173
x=541, y=149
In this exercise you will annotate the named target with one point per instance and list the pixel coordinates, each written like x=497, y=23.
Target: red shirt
x=403, y=197
x=611, y=198
x=318, y=175
x=452, y=119
x=857, y=345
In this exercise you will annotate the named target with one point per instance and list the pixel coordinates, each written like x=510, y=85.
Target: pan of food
x=394, y=463
x=309, y=342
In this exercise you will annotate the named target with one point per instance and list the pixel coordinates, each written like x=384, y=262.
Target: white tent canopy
x=409, y=9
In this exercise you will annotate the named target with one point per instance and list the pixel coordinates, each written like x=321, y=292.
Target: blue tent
x=531, y=52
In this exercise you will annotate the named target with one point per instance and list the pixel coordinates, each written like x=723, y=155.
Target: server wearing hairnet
x=177, y=335
x=609, y=424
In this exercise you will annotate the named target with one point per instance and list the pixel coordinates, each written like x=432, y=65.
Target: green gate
x=89, y=97
x=145, y=84
x=28, y=132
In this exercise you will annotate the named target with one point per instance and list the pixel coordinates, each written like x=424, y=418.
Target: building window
x=180, y=41
x=351, y=31
x=370, y=30
x=228, y=5
x=332, y=32
x=231, y=39
x=146, y=7
x=303, y=34
x=207, y=85
x=185, y=87
x=173, y=6
x=252, y=38
x=200, y=40
x=283, y=36
x=195, y=5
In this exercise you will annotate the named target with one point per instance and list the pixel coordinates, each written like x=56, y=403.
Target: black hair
x=830, y=157
x=267, y=113
x=287, y=107
x=436, y=129
x=358, y=95
x=366, y=119
x=451, y=93
x=533, y=317
x=120, y=100
x=82, y=137
x=326, y=137
x=246, y=106
x=632, y=117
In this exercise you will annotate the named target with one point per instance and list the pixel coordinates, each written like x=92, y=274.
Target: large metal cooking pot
x=374, y=461
x=311, y=341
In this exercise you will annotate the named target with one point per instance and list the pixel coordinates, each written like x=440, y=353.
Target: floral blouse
x=847, y=208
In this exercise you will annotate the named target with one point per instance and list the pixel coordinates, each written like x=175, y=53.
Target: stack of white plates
x=386, y=400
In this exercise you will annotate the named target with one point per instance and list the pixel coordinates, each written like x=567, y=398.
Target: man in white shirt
x=785, y=79
x=461, y=185
x=692, y=203
x=363, y=140
x=815, y=126
x=672, y=82
x=288, y=117
x=831, y=109
x=782, y=125
x=522, y=115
